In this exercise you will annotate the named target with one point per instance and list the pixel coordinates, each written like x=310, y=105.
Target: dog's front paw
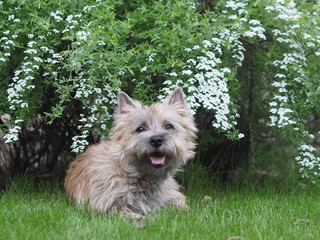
x=180, y=201
x=136, y=218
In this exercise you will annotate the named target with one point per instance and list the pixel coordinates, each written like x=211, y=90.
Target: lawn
x=45, y=213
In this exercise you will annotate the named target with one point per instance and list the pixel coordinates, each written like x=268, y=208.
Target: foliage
x=54, y=53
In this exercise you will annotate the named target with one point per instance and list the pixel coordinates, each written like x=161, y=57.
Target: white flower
x=30, y=44
x=37, y=59
x=240, y=135
x=307, y=36
x=273, y=104
x=249, y=34
x=143, y=69
x=24, y=105
x=56, y=15
x=207, y=43
x=279, y=75
x=254, y=22
x=31, y=51
x=187, y=72
x=82, y=35
x=173, y=74
x=233, y=17
x=150, y=58
x=69, y=18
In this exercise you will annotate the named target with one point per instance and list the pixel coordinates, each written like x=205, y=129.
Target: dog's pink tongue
x=158, y=160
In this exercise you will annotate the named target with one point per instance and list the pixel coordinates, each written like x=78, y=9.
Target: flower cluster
x=40, y=60
x=7, y=44
x=292, y=64
x=238, y=13
x=94, y=94
x=95, y=100
x=206, y=81
x=13, y=134
x=207, y=74
x=309, y=162
x=291, y=72
x=21, y=86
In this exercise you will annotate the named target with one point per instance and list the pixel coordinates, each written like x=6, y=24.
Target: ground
x=33, y=213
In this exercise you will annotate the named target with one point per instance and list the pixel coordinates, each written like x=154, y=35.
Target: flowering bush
x=57, y=52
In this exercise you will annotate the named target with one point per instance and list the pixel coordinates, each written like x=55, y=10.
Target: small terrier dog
x=133, y=171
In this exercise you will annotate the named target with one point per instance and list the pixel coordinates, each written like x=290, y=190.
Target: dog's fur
x=133, y=171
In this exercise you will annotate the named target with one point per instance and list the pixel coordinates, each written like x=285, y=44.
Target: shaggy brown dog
x=133, y=171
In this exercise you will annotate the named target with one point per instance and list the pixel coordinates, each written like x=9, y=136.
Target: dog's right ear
x=125, y=103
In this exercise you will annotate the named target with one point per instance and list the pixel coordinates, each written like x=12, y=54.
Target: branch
x=251, y=43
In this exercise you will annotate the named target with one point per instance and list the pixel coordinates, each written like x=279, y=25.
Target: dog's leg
x=179, y=201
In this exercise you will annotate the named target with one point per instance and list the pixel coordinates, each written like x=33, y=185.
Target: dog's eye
x=169, y=126
x=140, y=129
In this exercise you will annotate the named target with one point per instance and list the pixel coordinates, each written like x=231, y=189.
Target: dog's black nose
x=156, y=141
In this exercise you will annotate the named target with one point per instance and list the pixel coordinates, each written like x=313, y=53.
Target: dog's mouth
x=157, y=159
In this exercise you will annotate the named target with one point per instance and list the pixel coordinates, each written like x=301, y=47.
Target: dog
x=133, y=171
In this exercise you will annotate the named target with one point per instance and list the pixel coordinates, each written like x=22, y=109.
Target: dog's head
x=155, y=139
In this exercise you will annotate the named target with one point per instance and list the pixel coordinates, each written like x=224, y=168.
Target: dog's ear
x=125, y=103
x=176, y=97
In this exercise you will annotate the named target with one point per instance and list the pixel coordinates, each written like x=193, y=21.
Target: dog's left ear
x=176, y=97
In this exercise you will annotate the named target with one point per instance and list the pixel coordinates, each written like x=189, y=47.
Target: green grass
x=45, y=213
